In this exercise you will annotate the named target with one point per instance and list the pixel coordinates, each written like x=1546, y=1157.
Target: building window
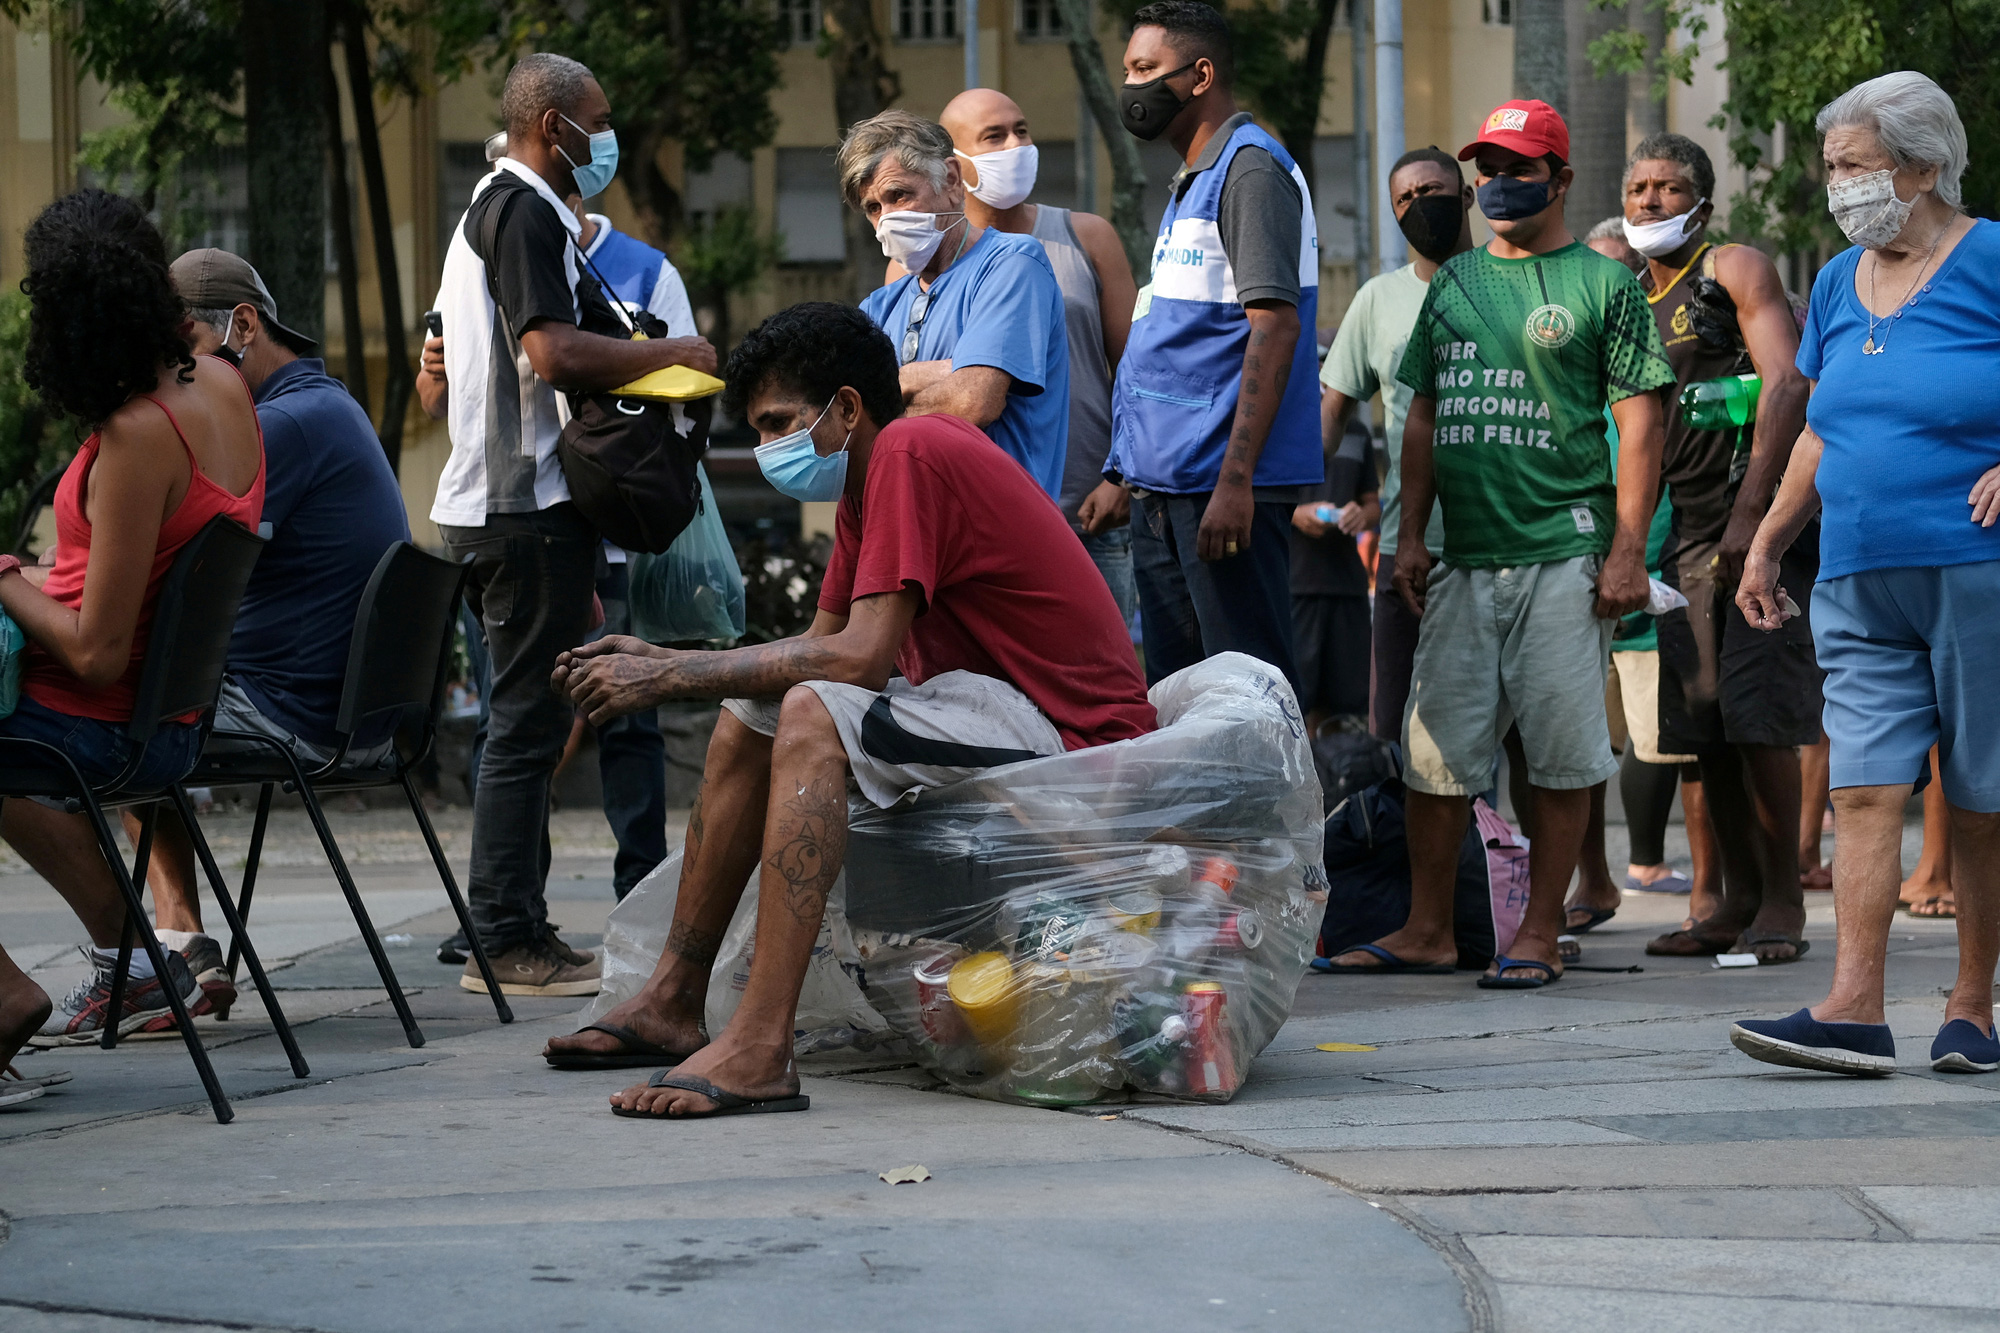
x=810, y=212
x=213, y=203
x=926, y=20
x=798, y=22
x=1500, y=13
x=1037, y=20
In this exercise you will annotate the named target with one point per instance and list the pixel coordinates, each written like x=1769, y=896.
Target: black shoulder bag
x=630, y=469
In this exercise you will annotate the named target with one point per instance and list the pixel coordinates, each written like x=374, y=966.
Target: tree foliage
x=1787, y=60
x=31, y=441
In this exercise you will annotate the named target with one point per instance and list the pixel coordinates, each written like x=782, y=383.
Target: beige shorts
x=1632, y=705
x=1500, y=646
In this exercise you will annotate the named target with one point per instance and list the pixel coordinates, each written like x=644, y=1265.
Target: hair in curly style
x=815, y=349
x=103, y=314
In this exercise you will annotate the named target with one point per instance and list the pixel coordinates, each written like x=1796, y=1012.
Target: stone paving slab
x=1534, y=1307
x=1970, y=1212
x=1774, y=1214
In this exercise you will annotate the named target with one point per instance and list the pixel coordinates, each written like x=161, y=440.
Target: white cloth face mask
x=1006, y=176
x=912, y=238
x=1654, y=239
x=1867, y=209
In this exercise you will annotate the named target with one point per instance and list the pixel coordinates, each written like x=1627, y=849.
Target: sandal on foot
x=1671, y=883
x=726, y=1103
x=13, y=1094
x=12, y=1079
x=1499, y=980
x=1939, y=908
x=1748, y=944
x=1569, y=949
x=1389, y=963
x=638, y=1053
x=1597, y=917
x=1691, y=945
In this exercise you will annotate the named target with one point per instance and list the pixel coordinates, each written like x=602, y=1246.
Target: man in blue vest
x=1215, y=414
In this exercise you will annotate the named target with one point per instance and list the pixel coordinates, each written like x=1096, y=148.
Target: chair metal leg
x=141, y=861
x=500, y=1005
x=250, y=868
x=135, y=918
x=239, y=936
x=368, y=935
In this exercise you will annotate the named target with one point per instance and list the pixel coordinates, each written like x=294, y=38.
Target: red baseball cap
x=1526, y=126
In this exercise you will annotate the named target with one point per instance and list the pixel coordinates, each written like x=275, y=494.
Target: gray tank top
x=1089, y=372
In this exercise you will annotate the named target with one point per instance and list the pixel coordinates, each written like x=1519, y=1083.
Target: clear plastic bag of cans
x=1132, y=916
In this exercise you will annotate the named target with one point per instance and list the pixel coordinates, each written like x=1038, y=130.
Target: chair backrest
x=192, y=621
x=402, y=637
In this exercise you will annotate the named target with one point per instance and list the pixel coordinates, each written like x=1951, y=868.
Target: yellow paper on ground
x=1341, y=1046
x=674, y=384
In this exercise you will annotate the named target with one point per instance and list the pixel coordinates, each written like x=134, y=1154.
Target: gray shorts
x=235, y=711
x=1500, y=646
x=910, y=737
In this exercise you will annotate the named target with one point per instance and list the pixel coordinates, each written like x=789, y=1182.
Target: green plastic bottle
x=1721, y=404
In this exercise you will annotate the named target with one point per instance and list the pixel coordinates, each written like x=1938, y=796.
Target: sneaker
x=1803, y=1042
x=575, y=957
x=1961, y=1048
x=80, y=1018
x=218, y=993
x=454, y=951
x=538, y=967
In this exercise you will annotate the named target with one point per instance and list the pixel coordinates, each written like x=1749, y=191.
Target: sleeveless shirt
x=1089, y=369
x=1697, y=464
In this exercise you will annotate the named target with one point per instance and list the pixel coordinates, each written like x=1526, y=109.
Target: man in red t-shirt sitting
x=950, y=566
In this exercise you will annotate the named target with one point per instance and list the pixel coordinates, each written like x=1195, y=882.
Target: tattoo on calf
x=813, y=843
x=696, y=945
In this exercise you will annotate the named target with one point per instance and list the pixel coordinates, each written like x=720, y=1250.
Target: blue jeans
x=1190, y=608
x=631, y=762
x=1111, y=552
x=101, y=750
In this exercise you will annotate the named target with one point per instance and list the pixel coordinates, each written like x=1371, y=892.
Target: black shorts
x=1723, y=682
x=1330, y=646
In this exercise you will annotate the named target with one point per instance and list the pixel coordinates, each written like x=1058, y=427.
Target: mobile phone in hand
x=434, y=322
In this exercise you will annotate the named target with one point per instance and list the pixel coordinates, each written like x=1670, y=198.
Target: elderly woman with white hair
x=1901, y=452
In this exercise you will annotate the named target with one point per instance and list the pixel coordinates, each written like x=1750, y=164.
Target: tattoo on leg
x=695, y=828
x=808, y=860
x=696, y=945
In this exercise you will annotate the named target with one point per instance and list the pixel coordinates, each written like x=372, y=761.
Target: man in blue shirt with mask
x=977, y=317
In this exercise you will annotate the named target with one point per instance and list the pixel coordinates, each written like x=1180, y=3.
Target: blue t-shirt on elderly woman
x=1906, y=431
x=997, y=305
x=333, y=507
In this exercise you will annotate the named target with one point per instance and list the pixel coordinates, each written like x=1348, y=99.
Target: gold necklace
x=1871, y=347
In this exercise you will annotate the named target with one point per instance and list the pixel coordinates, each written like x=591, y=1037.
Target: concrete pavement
x=1589, y=1153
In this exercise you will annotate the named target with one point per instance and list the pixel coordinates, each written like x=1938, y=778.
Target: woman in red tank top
x=175, y=442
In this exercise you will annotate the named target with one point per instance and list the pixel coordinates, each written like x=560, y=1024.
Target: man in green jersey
x=1517, y=350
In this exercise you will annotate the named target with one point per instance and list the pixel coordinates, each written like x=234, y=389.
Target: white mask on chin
x=1006, y=176
x=1655, y=239
x=1867, y=209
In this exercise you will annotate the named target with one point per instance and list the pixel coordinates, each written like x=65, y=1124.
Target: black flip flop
x=1501, y=981
x=1390, y=964
x=638, y=1053
x=726, y=1103
x=1598, y=916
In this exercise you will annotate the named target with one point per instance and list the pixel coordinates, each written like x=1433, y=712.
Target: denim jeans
x=1190, y=608
x=1112, y=553
x=100, y=750
x=631, y=762
x=530, y=586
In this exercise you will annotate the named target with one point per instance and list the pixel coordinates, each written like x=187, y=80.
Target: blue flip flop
x=1501, y=981
x=1389, y=964
x=1961, y=1048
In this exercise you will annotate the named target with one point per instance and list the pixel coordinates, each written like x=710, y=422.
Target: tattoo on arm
x=811, y=840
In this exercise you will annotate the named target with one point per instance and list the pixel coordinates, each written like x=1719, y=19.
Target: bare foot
x=1925, y=886
x=1942, y=907
x=670, y=1031
x=1816, y=879
x=759, y=1074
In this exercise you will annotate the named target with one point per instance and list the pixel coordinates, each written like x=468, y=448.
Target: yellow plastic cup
x=982, y=987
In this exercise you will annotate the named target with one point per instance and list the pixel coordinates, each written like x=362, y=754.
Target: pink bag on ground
x=1506, y=873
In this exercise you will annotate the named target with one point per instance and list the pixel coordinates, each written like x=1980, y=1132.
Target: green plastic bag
x=694, y=590
x=12, y=644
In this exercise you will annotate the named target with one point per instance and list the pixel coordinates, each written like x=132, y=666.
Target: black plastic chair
x=182, y=674
x=397, y=663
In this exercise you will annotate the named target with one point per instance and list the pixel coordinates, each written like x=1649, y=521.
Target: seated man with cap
x=950, y=566
x=331, y=508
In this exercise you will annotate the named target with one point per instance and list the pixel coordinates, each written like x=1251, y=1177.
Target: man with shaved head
x=989, y=135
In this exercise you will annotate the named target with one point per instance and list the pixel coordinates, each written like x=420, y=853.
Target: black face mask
x=1432, y=225
x=230, y=354
x=1148, y=108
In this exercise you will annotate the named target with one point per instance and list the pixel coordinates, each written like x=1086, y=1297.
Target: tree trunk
x=284, y=112
x=1128, y=176
x=1596, y=118
x=1644, y=113
x=341, y=209
x=401, y=377
x=863, y=85
x=1312, y=85
x=653, y=196
x=1541, y=52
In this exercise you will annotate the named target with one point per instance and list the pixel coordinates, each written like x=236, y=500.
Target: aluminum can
x=940, y=1017
x=1219, y=871
x=1241, y=932
x=1051, y=926
x=1211, y=1055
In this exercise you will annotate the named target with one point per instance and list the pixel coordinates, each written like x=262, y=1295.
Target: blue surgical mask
x=799, y=471
x=594, y=176
x=1504, y=199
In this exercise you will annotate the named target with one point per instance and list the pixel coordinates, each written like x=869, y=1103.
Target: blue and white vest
x=629, y=264
x=1175, y=397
